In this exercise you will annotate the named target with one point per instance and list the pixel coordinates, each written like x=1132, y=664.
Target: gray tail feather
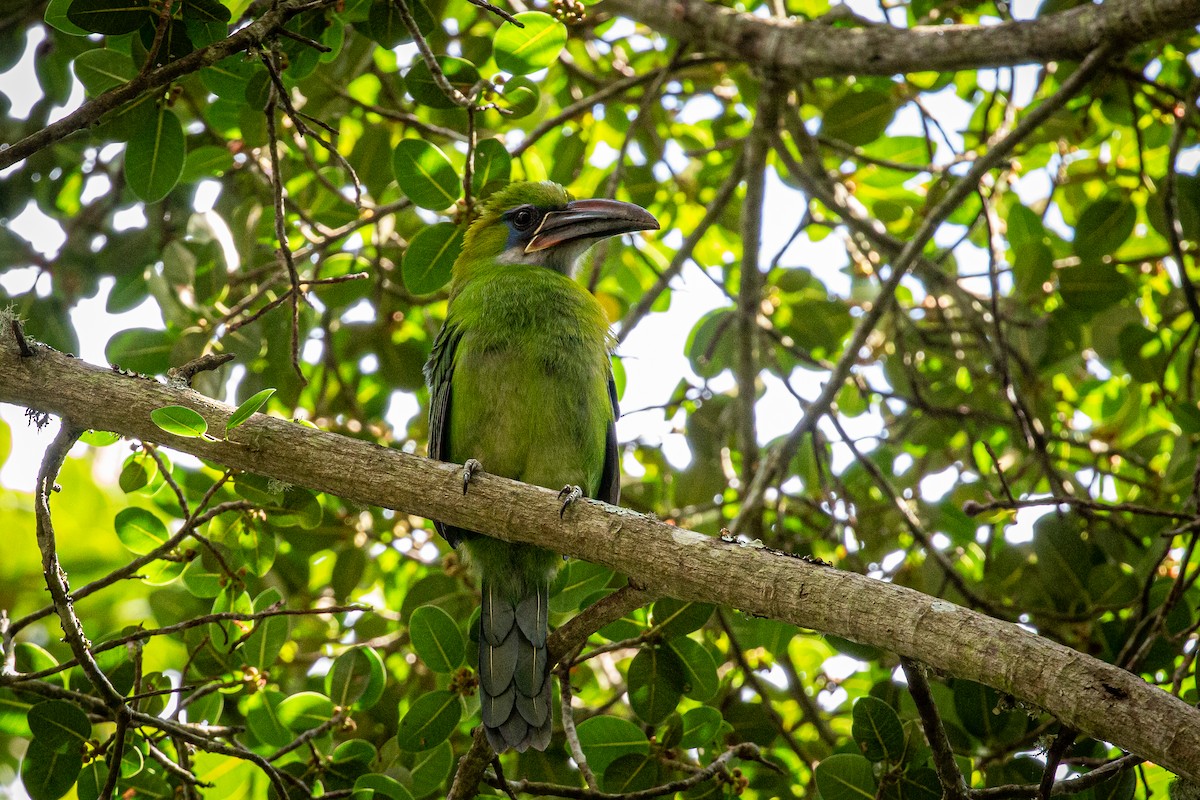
x=514, y=673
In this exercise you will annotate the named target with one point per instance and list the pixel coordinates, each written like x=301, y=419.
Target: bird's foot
x=469, y=469
x=568, y=495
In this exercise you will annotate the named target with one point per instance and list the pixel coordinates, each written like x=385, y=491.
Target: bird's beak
x=590, y=219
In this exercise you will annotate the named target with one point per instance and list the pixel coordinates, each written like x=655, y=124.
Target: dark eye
x=524, y=218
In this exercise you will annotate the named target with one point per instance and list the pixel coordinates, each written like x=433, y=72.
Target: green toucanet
x=521, y=385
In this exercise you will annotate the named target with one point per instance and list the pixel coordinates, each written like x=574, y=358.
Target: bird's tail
x=514, y=673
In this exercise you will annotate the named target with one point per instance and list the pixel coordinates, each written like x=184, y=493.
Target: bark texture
x=1084, y=693
x=813, y=49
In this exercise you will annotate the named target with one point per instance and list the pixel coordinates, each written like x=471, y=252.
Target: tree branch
x=1084, y=693
x=812, y=49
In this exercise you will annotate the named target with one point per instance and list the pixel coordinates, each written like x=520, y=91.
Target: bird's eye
x=524, y=218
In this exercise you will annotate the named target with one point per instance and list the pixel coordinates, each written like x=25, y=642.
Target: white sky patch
x=96, y=326
x=937, y=485
x=20, y=83
x=1021, y=531
x=74, y=101
x=41, y=231
x=24, y=279
x=840, y=667
x=206, y=195
x=402, y=407
x=128, y=219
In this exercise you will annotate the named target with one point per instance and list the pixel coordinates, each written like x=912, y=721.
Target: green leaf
x=350, y=676
x=1104, y=226
x=655, y=684
x=1122, y=786
x=262, y=646
x=262, y=717
x=205, y=10
x=976, y=706
x=493, y=166
x=700, y=681
x=605, y=739
x=437, y=639
x=155, y=156
x=379, y=787
x=225, y=634
x=1032, y=266
x=633, y=772
x=430, y=256
x=679, y=618
x=206, y=709
x=56, y=17
x=521, y=97
x=921, y=783
x=877, y=730
x=59, y=724
x=520, y=51
x=863, y=652
x=1023, y=226
x=229, y=77
x=248, y=409
x=460, y=73
x=440, y=590
x=99, y=70
x=140, y=530
x=257, y=545
x=859, y=118
x=351, y=759
x=137, y=472
x=110, y=17
x=92, y=780
x=1092, y=286
x=710, y=344
x=201, y=580
x=385, y=26
x=430, y=769
x=93, y=438
x=47, y=773
x=14, y=719
x=180, y=420
x=429, y=721
x=425, y=174
x=577, y=581
x=142, y=350
x=700, y=726
x=206, y=161
x=846, y=776
x=304, y=711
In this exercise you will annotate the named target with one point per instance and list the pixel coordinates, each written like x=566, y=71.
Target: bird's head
x=539, y=224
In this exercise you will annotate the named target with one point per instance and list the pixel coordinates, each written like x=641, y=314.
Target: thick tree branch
x=812, y=49
x=1084, y=693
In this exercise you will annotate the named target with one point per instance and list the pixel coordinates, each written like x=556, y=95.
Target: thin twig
x=953, y=785
x=572, y=735
x=285, y=249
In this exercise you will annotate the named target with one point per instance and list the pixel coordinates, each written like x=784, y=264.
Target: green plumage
x=520, y=380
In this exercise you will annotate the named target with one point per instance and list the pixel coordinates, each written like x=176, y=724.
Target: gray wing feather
x=439, y=372
x=610, y=479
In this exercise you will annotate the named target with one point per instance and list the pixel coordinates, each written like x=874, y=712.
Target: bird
x=521, y=385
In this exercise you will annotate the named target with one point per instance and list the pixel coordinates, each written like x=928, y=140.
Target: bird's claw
x=469, y=469
x=568, y=495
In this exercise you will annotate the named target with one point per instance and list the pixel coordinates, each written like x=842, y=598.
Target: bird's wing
x=438, y=374
x=610, y=479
